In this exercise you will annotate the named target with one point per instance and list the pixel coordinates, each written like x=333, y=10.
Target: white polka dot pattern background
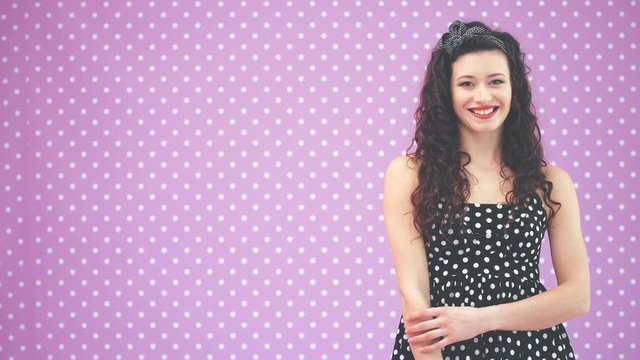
x=203, y=179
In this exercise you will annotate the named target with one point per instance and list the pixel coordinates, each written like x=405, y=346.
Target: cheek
x=457, y=100
x=506, y=97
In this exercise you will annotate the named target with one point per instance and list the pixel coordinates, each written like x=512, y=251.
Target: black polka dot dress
x=495, y=262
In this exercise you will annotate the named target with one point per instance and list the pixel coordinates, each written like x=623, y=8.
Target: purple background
x=203, y=179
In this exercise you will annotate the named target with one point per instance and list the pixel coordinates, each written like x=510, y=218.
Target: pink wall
x=203, y=179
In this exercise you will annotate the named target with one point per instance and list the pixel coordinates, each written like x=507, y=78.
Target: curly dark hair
x=443, y=186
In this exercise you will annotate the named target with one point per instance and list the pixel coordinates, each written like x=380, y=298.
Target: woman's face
x=481, y=90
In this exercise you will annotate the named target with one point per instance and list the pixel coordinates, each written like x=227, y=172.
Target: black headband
x=459, y=34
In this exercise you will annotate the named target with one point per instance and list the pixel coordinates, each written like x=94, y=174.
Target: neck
x=484, y=149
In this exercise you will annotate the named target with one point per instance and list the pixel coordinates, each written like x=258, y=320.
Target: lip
x=484, y=117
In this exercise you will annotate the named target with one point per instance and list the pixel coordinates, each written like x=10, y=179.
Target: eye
x=497, y=81
x=466, y=83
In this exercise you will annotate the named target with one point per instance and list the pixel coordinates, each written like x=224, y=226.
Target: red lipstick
x=484, y=115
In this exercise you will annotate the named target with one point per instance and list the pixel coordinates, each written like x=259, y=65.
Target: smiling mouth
x=484, y=111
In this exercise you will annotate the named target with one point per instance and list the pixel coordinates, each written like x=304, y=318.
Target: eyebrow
x=473, y=77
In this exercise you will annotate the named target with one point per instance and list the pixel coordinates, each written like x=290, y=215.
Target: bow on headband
x=458, y=34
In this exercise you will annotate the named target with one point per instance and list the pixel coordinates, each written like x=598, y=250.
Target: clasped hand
x=436, y=327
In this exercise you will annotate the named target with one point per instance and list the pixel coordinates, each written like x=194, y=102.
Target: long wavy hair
x=443, y=186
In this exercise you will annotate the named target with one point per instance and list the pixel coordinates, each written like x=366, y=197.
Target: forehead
x=480, y=63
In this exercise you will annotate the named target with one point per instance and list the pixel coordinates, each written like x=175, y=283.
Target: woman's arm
x=407, y=245
x=571, y=298
x=568, y=300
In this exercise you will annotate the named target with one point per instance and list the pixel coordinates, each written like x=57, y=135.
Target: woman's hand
x=436, y=327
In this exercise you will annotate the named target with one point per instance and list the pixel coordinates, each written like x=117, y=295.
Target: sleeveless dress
x=495, y=262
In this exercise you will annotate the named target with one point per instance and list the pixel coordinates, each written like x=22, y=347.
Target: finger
x=438, y=345
x=422, y=315
x=428, y=337
x=415, y=343
x=423, y=326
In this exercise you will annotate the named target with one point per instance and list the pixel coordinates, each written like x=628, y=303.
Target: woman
x=466, y=213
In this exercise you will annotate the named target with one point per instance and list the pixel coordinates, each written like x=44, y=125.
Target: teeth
x=484, y=112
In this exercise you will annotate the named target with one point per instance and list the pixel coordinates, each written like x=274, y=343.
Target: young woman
x=467, y=211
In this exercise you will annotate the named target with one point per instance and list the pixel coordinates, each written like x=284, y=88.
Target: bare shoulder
x=559, y=177
x=564, y=192
x=403, y=172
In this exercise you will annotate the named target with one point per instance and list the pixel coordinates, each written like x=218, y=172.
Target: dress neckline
x=528, y=198
x=487, y=204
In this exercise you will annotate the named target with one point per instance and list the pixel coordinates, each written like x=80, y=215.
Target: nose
x=482, y=94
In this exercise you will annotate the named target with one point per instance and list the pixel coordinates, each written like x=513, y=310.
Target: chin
x=474, y=124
